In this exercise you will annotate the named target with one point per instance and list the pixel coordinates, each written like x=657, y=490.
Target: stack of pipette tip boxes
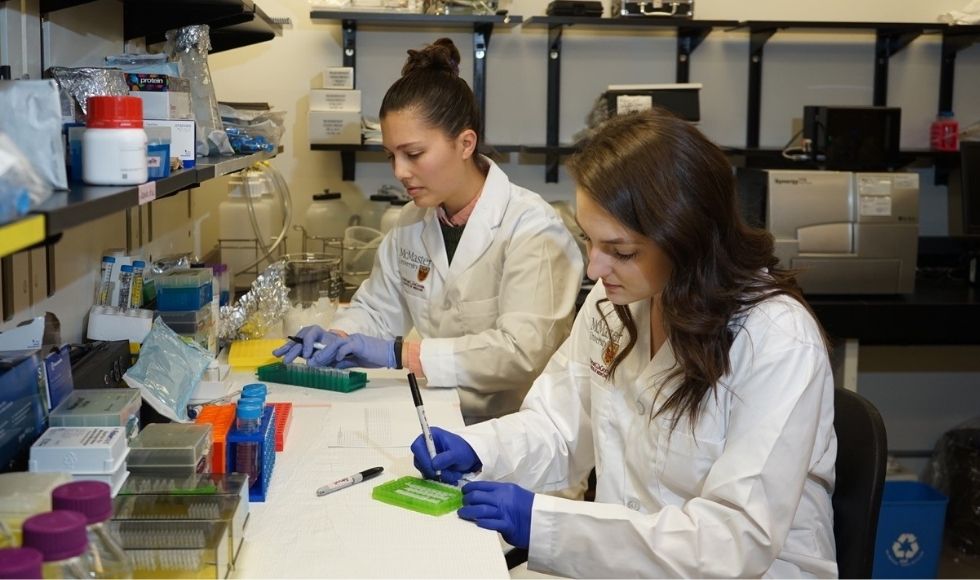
x=182, y=526
x=184, y=303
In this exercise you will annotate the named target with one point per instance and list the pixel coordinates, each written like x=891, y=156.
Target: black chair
x=862, y=450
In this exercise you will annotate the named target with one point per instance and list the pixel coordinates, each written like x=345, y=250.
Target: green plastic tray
x=421, y=495
x=318, y=378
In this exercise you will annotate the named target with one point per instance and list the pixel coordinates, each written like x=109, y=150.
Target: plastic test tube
x=105, y=278
x=136, y=293
x=125, y=278
x=248, y=419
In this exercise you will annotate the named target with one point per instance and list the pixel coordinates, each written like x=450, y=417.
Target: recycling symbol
x=906, y=549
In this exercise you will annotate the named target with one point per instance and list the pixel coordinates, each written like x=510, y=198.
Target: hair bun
x=440, y=56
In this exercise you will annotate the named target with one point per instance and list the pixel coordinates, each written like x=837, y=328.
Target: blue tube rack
x=265, y=437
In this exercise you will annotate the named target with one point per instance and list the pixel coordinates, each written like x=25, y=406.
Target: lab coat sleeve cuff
x=439, y=362
x=541, y=551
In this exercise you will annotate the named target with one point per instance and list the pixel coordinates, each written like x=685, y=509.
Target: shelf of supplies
x=21, y=234
x=415, y=19
x=216, y=166
x=84, y=203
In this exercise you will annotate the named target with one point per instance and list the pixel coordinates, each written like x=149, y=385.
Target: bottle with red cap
x=60, y=537
x=114, y=143
x=93, y=499
x=944, y=132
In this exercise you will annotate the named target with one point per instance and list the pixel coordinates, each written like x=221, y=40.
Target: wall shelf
x=233, y=23
x=481, y=25
x=85, y=203
x=348, y=153
x=891, y=37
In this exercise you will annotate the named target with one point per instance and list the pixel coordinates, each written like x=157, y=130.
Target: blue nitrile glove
x=360, y=350
x=454, y=457
x=503, y=507
x=310, y=335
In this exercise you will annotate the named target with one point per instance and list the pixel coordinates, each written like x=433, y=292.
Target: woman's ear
x=467, y=141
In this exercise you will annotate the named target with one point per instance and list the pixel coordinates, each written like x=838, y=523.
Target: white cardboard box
x=335, y=100
x=338, y=77
x=182, y=141
x=335, y=127
x=165, y=104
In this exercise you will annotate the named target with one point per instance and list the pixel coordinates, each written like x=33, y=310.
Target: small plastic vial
x=93, y=499
x=20, y=563
x=61, y=538
x=114, y=143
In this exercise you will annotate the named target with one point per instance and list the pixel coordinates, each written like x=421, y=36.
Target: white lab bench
x=347, y=534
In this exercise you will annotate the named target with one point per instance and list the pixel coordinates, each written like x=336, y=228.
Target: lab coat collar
x=486, y=218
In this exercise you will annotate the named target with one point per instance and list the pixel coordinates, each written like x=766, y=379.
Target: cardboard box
x=335, y=127
x=182, y=138
x=164, y=97
x=335, y=100
x=338, y=77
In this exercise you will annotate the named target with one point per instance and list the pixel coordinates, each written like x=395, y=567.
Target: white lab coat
x=490, y=321
x=748, y=495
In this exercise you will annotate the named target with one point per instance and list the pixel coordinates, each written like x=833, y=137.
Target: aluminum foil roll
x=259, y=309
x=81, y=83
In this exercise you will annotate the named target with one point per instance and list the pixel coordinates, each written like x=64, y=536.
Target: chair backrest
x=862, y=449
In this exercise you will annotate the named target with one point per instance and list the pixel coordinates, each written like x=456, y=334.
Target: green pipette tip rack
x=328, y=379
x=420, y=495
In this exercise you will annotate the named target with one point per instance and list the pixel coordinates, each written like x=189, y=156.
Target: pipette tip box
x=100, y=408
x=329, y=379
x=166, y=447
x=420, y=495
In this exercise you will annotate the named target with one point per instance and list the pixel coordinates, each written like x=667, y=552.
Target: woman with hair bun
x=483, y=269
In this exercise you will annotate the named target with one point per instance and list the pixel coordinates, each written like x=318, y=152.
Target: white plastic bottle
x=390, y=217
x=375, y=208
x=114, y=143
x=326, y=218
x=239, y=241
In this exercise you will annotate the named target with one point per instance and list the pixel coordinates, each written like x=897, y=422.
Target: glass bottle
x=61, y=538
x=93, y=499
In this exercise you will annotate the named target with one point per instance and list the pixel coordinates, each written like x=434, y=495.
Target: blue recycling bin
x=910, y=531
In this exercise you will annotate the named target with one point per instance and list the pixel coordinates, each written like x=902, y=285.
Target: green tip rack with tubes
x=420, y=495
x=301, y=375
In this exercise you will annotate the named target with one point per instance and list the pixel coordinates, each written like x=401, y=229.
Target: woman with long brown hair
x=696, y=382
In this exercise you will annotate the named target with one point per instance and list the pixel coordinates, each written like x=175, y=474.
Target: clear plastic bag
x=190, y=46
x=253, y=131
x=168, y=371
x=21, y=188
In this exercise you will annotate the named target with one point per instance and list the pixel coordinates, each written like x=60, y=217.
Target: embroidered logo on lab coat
x=605, y=341
x=414, y=267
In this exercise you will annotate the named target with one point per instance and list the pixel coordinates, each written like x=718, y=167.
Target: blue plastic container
x=910, y=531
x=259, y=450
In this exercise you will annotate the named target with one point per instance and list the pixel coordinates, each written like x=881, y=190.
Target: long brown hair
x=661, y=177
x=430, y=85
